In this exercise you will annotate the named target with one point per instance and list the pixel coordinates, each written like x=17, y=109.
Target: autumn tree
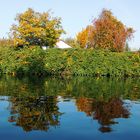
x=85, y=37
x=108, y=33
x=36, y=28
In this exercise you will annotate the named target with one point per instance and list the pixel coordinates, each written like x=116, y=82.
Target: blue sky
x=75, y=14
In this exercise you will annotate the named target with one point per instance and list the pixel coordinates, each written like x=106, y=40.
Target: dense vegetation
x=104, y=38
x=82, y=62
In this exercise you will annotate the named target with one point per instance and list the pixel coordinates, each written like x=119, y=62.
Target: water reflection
x=41, y=113
x=103, y=88
x=34, y=102
x=104, y=111
x=34, y=113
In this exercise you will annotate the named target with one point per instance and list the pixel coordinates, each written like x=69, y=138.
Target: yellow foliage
x=36, y=29
x=85, y=37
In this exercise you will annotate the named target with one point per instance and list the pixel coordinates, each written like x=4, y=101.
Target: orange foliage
x=85, y=37
x=111, y=33
x=106, y=33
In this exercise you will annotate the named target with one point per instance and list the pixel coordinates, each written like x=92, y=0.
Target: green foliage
x=69, y=62
x=23, y=61
x=96, y=88
x=92, y=63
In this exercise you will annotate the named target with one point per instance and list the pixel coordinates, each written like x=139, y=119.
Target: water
x=69, y=109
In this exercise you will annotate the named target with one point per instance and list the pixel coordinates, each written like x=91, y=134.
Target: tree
x=85, y=37
x=36, y=28
x=127, y=48
x=111, y=33
x=107, y=32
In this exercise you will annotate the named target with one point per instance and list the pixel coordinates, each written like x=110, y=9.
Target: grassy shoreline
x=81, y=62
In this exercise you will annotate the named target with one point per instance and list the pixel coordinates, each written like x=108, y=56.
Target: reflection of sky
x=75, y=14
x=129, y=128
x=7, y=130
x=73, y=125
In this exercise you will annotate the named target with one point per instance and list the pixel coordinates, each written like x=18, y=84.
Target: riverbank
x=81, y=62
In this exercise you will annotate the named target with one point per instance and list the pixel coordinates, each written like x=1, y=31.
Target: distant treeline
x=6, y=42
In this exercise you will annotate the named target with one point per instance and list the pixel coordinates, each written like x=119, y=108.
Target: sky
x=75, y=14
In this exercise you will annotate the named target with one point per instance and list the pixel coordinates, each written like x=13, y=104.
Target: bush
x=36, y=61
x=23, y=61
x=92, y=63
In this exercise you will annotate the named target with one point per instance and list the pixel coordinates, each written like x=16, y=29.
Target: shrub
x=83, y=62
x=23, y=61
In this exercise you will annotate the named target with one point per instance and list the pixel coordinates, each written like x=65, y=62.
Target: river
x=69, y=108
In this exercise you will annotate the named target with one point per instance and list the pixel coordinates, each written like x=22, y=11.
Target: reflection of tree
x=97, y=93
x=79, y=86
x=33, y=113
x=104, y=112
